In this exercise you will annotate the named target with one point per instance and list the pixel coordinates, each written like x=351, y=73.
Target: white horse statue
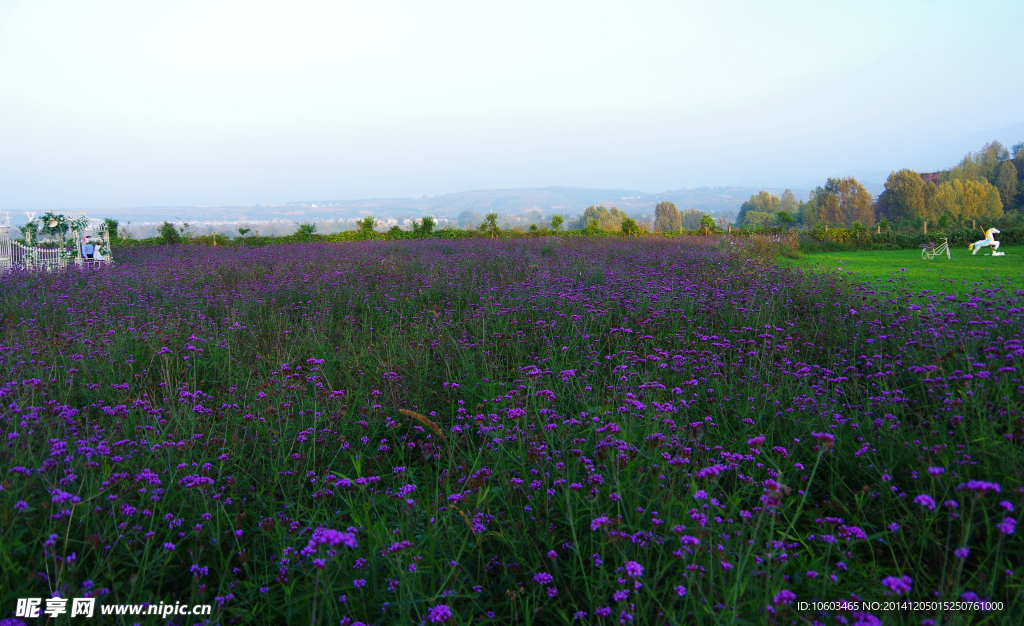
x=989, y=241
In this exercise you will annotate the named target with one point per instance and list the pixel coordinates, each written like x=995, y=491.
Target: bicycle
x=929, y=250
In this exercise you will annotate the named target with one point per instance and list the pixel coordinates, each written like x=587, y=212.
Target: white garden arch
x=57, y=241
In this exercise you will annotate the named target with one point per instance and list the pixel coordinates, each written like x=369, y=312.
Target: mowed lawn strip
x=959, y=274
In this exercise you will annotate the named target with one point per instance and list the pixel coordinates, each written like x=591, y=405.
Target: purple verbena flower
x=900, y=585
x=926, y=501
x=438, y=614
x=1007, y=526
x=784, y=597
x=979, y=487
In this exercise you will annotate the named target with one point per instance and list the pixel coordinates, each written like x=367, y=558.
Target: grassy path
x=956, y=275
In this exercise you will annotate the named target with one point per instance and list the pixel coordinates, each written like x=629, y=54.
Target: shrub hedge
x=815, y=240
x=844, y=239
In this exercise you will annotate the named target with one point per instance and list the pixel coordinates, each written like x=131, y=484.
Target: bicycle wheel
x=948, y=256
x=924, y=254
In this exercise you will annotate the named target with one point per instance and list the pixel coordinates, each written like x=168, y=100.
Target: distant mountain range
x=567, y=201
x=547, y=200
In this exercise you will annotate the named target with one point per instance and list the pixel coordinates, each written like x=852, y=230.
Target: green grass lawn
x=956, y=275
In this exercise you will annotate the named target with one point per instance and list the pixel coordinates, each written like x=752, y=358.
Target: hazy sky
x=107, y=104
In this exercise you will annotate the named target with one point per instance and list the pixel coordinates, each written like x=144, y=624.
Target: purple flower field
x=541, y=431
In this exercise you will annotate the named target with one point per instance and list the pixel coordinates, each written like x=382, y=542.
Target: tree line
x=986, y=185
x=839, y=202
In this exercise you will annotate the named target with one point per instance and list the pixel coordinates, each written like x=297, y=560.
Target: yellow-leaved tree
x=968, y=199
x=840, y=202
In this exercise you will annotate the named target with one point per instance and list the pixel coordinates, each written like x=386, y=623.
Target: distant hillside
x=547, y=200
x=567, y=201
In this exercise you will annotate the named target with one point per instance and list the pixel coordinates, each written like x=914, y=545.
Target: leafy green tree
x=365, y=225
x=761, y=202
x=981, y=165
x=760, y=219
x=1018, y=162
x=605, y=219
x=931, y=209
x=810, y=211
x=904, y=195
x=630, y=227
x=490, y=224
x=243, y=231
x=992, y=157
x=789, y=203
x=468, y=218
x=424, y=227
x=707, y=223
x=690, y=219
x=840, y=202
x=667, y=217
x=306, y=230
x=30, y=231
x=169, y=233
x=556, y=222
x=785, y=218
x=111, y=226
x=1006, y=183
x=394, y=230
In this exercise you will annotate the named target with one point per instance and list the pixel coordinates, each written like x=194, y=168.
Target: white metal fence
x=36, y=257
x=5, y=248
